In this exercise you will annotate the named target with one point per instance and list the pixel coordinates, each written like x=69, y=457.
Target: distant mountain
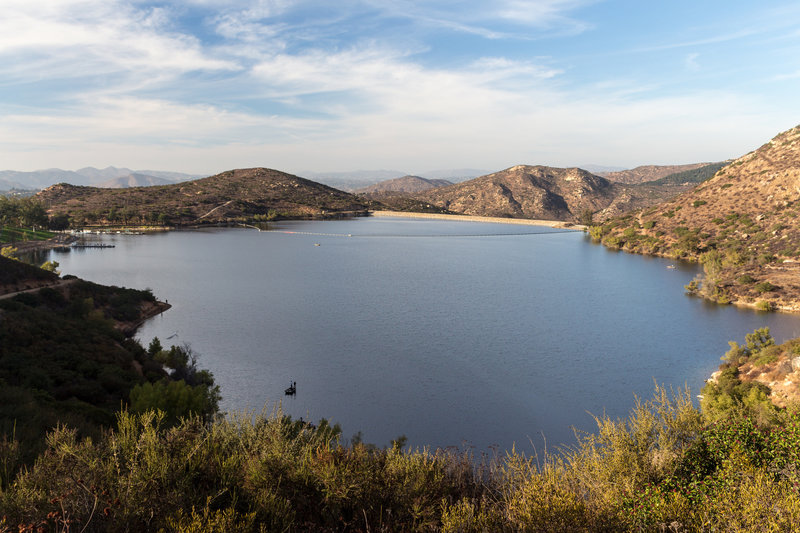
x=527, y=192
x=741, y=224
x=352, y=180
x=39, y=179
x=647, y=173
x=455, y=175
x=600, y=170
x=235, y=195
x=134, y=180
x=7, y=185
x=404, y=185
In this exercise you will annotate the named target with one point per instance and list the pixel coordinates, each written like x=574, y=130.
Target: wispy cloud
x=216, y=84
x=691, y=62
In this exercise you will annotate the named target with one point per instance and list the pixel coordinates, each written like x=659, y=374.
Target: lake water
x=450, y=333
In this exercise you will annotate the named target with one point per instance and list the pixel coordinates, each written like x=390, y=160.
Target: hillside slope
x=526, y=192
x=647, y=173
x=741, y=224
x=230, y=196
x=404, y=185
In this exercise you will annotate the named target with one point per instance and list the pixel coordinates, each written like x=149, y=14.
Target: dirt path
x=59, y=283
x=219, y=206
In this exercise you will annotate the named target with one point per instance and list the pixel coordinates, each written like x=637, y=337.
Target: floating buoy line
x=411, y=236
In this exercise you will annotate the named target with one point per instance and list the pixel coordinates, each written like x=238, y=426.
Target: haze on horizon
x=203, y=86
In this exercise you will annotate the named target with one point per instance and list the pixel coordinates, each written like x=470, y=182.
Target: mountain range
x=106, y=177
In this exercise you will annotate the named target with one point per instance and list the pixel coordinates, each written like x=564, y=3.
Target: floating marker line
x=410, y=236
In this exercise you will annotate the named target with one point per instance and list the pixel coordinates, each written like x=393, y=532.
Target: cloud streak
x=360, y=83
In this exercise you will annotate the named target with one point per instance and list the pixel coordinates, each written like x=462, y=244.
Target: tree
x=50, y=266
x=59, y=222
x=586, y=217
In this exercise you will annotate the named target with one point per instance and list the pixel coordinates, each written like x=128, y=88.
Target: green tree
x=50, y=266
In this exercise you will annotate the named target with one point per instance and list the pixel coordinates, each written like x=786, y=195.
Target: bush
x=764, y=305
x=765, y=286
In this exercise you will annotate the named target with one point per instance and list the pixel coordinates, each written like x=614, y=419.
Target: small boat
x=316, y=244
x=670, y=266
x=292, y=390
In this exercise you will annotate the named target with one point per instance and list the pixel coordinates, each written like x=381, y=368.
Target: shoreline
x=474, y=218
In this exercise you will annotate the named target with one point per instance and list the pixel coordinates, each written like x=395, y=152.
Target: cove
x=450, y=333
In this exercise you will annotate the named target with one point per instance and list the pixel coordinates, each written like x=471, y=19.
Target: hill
x=646, y=173
x=404, y=185
x=695, y=175
x=526, y=192
x=741, y=225
x=133, y=180
x=567, y=194
x=235, y=195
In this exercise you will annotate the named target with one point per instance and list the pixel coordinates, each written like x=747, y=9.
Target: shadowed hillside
x=647, y=173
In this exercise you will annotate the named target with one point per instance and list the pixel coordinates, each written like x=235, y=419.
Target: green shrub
x=765, y=286
x=764, y=305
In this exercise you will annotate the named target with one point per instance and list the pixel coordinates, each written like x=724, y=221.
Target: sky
x=203, y=86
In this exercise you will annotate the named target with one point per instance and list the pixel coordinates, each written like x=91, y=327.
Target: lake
x=450, y=333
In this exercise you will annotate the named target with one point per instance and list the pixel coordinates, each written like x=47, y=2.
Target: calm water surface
x=451, y=333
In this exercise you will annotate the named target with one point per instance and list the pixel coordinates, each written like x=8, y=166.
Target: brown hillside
x=742, y=224
x=547, y=193
x=404, y=185
x=646, y=173
x=233, y=195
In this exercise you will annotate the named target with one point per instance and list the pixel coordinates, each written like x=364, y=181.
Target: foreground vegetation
x=667, y=467
x=66, y=357
x=663, y=468
x=98, y=433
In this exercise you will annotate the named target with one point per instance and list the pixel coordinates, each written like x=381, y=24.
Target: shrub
x=764, y=305
x=765, y=286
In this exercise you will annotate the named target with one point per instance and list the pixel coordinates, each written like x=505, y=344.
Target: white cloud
x=43, y=40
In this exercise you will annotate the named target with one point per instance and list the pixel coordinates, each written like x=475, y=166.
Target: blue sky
x=204, y=86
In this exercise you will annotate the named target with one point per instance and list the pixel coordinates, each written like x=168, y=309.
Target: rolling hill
x=742, y=225
x=647, y=173
x=526, y=192
x=404, y=185
x=541, y=192
x=235, y=195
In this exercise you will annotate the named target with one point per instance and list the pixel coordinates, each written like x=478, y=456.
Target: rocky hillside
x=647, y=173
x=404, y=185
x=742, y=224
x=527, y=192
x=541, y=192
x=235, y=195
